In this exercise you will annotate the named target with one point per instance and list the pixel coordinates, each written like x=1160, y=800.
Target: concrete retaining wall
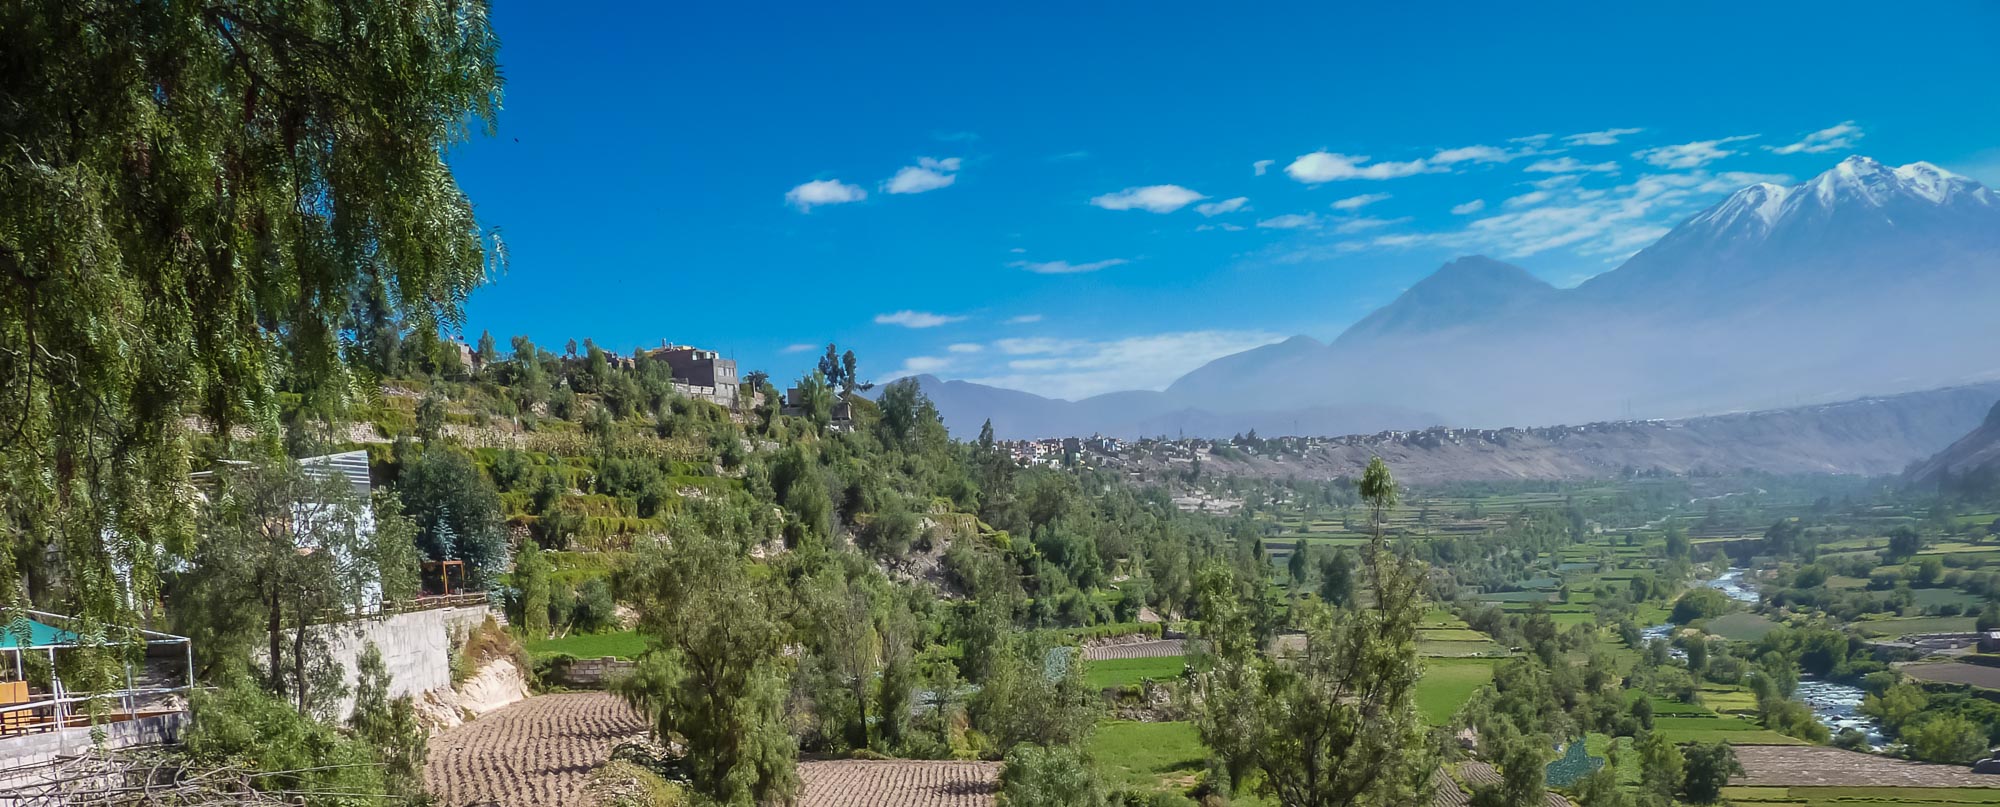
x=415, y=645
x=26, y=760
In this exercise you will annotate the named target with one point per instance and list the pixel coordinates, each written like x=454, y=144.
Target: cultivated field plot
x=1155, y=649
x=898, y=783
x=1952, y=672
x=1819, y=766
x=534, y=753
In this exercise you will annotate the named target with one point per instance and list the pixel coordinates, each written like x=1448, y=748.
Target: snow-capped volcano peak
x=1936, y=184
x=1758, y=205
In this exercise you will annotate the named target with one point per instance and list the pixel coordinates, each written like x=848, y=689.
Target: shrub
x=1059, y=776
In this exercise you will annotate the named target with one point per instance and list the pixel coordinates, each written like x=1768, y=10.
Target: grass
x=1904, y=626
x=622, y=644
x=1448, y=683
x=1151, y=756
x=1741, y=627
x=1714, y=729
x=1859, y=796
x=1127, y=671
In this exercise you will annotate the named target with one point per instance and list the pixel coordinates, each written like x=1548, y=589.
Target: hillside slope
x=1872, y=436
x=1975, y=454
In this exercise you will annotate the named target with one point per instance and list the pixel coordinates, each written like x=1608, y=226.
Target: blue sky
x=1077, y=198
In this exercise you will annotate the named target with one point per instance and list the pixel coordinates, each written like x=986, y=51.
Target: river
x=1836, y=705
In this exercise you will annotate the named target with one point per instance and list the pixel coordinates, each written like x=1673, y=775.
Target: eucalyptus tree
x=197, y=202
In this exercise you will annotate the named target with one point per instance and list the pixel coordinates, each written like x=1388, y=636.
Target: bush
x=1059, y=776
x=621, y=783
x=1947, y=738
x=1700, y=603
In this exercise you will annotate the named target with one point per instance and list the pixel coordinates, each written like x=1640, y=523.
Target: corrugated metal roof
x=352, y=465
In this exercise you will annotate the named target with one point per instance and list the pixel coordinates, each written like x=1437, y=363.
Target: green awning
x=37, y=634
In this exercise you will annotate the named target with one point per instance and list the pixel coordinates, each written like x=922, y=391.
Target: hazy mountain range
x=1864, y=280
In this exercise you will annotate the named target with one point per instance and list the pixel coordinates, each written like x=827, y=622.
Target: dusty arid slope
x=1871, y=436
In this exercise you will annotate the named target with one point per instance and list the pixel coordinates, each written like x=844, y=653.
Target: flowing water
x=1836, y=705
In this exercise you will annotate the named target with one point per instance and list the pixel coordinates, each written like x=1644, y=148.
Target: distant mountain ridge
x=1864, y=280
x=1974, y=455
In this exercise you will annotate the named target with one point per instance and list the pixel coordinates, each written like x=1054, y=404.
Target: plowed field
x=535, y=753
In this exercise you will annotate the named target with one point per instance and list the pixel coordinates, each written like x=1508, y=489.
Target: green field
x=1859, y=796
x=1740, y=627
x=1904, y=626
x=1713, y=729
x=1128, y=671
x=1448, y=683
x=623, y=644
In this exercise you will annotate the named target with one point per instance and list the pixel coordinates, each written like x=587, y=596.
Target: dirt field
x=535, y=753
x=1813, y=766
x=1154, y=649
x=898, y=783
x=1953, y=672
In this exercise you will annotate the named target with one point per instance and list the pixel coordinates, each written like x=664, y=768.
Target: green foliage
x=1662, y=767
x=389, y=726
x=715, y=678
x=1290, y=718
x=1018, y=702
x=1058, y=776
x=1709, y=767
x=193, y=213
x=239, y=725
x=1946, y=738
x=281, y=549
x=531, y=575
x=1700, y=602
x=456, y=510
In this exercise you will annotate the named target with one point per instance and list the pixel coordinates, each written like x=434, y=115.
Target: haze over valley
x=1864, y=280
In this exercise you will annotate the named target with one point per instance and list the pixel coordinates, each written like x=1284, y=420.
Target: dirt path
x=535, y=753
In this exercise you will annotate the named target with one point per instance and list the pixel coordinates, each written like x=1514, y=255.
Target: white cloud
x=1260, y=166
x=1689, y=155
x=1079, y=368
x=1223, y=226
x=965, y=347
x=1065, y=267
x=1358, y=202
x=1017, y=250
x=800, y=347
x=1569, y=165
x=1607, y=137
x=1224, y=206
x=823, y=192
x=1535, y=140
x=927, y=175
x=916, y=319
x=1327, y=166
x=1024, y=319
x=1838, y=136
x=1150, y=198
x=1365, y=223
x=1473, y=206
x=1291, y=221
x=1529, y=198
x=1476, y=154
x=919, y=365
